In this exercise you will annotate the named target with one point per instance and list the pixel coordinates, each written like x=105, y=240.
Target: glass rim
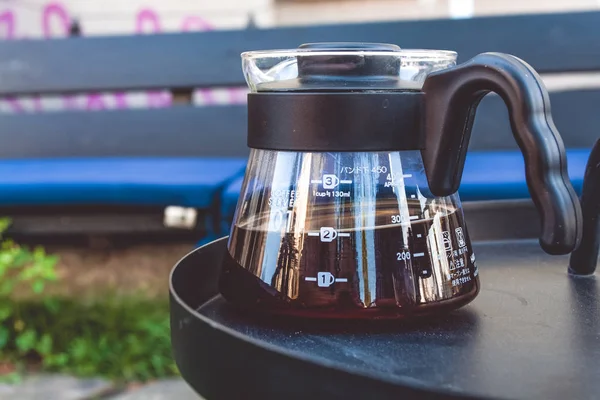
x=422, y=54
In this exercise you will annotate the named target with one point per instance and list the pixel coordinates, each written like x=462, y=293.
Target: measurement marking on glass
x=407, y=175
x=314, y=279
x=340, y=234
x=325, y=279
x=418, y=254
x=330, y=181
x=328, y=234
x=413, y=217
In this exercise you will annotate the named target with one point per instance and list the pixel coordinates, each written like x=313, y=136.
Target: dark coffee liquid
x=390, y=270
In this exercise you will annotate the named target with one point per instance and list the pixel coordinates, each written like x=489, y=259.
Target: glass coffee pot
x=349, y=206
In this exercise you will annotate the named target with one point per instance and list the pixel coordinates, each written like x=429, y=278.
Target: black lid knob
x=350, y=62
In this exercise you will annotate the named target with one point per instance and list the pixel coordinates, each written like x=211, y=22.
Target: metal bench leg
x=584, y=260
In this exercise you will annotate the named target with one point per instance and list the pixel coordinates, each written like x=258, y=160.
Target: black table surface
x=532, y=333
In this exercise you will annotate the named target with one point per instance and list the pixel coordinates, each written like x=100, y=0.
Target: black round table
x=532, y=333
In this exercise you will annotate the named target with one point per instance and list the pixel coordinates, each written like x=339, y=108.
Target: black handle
x=451, y=98
x=583, y=260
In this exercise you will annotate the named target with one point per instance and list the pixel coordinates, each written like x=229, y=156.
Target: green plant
x=21, y=267
x=122, y=338
x=117, y=337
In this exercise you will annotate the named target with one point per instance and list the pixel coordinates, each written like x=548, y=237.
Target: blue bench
x=188, y=182
x=122, y=184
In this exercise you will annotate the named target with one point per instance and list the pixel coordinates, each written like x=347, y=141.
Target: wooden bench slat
x=220, y=131
x=550, y=42
x=179, y=131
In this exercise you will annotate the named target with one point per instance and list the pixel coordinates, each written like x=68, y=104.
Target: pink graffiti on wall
x=7, y=24
x=147, y=21
x=195, y=23
x=55, y=22
x=55, y=12
x=54, y=15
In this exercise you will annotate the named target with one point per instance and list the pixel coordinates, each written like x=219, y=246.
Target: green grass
x=120, y=338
